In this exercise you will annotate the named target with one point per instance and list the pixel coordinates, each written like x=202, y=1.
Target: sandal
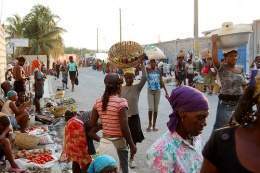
x=17, y=170
x=149, y=129
x=155, y=129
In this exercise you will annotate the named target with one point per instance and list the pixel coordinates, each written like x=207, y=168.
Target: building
x=2, y=54
x=171, y=48
x=246, y=52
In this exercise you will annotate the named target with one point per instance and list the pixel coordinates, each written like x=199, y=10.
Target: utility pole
x=97, y=40
x=196, y=28
x=120, y=24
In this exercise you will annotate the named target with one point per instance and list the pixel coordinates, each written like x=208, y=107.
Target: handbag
x=76, y=81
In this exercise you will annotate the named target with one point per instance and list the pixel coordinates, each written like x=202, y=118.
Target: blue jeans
x=224, y=113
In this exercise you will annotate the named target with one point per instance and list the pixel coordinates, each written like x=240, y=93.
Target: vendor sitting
x=5, y=145
x=18, y=116
x=6, y=86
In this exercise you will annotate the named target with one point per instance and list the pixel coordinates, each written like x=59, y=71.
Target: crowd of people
x=232, y=147
x=180, y=149
x=68, y=70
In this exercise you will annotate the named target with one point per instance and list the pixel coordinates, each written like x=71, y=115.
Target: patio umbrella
x=154, y=52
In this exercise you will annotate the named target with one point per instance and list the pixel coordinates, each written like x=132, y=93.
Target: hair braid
x=244, y=113
x=109, y=91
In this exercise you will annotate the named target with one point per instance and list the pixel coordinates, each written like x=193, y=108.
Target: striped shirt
x=110, y=119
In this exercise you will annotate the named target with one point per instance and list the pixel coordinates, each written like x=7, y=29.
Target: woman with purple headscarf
x=179, y=150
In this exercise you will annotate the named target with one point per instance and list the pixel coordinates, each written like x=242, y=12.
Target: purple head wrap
x=185, y=99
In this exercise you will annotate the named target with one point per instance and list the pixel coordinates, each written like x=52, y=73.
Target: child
x=39, y=79
x=64, y=74
x=103, y=164
x=18, y=116
x=5, y=144
x=75, y=147
x=198, y=82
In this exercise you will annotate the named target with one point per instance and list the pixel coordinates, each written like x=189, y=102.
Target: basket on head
x=26, y=141
x=125, y=54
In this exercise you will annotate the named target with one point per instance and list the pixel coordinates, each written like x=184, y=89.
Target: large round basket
x=125, y=54
x=26, y=141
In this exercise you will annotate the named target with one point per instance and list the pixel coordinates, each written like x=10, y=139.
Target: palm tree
x=15, y=27
x=44, y=34
x=40, y=26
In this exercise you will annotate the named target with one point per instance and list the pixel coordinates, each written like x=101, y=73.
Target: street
x=91, y=87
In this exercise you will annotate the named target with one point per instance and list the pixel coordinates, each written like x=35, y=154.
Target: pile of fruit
x=33, y=128
x=38, y=156
x=41, y=158
x=68, y=101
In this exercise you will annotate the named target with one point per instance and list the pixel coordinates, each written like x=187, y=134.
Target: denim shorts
x=14, y=122
x=224, y=113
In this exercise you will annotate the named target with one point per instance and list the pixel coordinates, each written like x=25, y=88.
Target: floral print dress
x=172, y=154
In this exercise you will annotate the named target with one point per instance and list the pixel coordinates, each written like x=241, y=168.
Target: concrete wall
x=2, y=54
x=171, y=48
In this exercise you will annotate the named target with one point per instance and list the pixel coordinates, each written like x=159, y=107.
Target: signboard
x=19, y=42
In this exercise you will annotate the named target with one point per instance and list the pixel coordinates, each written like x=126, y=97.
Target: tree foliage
x=79, y=52
x=40, y=26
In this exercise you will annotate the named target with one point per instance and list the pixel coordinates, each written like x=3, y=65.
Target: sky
x=144, y=21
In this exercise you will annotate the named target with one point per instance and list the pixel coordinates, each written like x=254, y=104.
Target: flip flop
x=17, y=170
x=155, y=129
x=149, y=129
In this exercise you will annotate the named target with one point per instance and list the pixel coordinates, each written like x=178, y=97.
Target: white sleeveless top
x=6, y=108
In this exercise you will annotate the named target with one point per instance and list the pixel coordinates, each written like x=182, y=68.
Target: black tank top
x=220, y=150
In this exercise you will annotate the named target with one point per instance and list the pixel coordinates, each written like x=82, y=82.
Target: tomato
x=41, y=158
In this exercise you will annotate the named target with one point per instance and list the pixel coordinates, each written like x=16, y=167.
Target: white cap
x=227, y=50
x=257, y=55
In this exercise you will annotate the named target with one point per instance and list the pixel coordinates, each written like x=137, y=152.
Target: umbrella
x=154, y=52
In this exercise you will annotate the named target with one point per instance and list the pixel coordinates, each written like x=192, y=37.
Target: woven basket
x=216, y=88
x=26, y=141
x=200, y=87
x=59, y=111
x=60, y=94
x=125, y=54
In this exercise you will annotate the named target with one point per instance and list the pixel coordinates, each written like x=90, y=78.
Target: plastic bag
x=46, y=139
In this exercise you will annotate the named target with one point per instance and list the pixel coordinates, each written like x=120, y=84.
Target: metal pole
x=97, y=40
x=120, y=24
x=13, y=46
x=196, y=28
